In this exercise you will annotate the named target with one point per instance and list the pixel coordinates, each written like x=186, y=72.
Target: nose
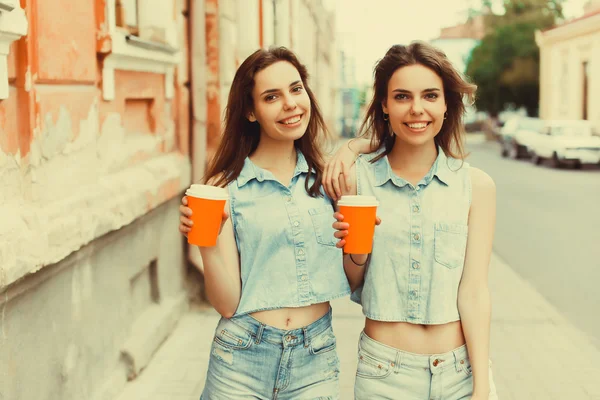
x=417, y=107
x=289, y=103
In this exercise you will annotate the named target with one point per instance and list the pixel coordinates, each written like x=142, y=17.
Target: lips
x=417, y=125
x=291, y=120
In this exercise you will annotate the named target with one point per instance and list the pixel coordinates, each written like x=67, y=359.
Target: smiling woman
x=275, y=266
x=423, y=289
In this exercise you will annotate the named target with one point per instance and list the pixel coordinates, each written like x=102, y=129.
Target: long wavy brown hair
x=456, y=89
x=240, y=136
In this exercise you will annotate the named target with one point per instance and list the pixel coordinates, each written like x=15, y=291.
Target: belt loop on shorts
x=396, y=364
x=457, y=360
x=261, y=328
x=306, y=338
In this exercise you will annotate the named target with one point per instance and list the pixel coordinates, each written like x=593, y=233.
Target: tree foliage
x=505, y=64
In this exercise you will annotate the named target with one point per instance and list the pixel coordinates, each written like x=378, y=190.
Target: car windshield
x=532, y=124
x=570, y=130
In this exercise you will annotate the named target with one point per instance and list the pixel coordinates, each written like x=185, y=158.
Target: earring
x=386, y=115
x=446, y=115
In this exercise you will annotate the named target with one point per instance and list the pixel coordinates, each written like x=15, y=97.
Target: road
x=548, y=230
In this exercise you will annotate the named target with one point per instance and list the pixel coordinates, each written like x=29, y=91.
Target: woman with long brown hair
x=424, y=288
x=275, y=266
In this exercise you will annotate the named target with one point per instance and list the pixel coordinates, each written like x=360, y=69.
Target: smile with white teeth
x=418, y=125
x=291, y=120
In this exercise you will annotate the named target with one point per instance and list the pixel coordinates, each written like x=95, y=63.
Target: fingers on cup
x=184, y=200
x=337, y=215
x=340, y=243
x=186, y=221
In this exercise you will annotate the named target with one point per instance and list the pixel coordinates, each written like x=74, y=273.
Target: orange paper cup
x=207, y=204
x=360, y=212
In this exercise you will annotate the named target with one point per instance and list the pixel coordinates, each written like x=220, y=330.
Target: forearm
x=354, y=272
x=362, y=146
x=475, y=313
x=222, y=279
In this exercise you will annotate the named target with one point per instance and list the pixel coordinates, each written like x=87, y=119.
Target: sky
x=367, y=28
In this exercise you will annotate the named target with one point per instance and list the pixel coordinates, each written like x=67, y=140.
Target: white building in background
x=570, y=68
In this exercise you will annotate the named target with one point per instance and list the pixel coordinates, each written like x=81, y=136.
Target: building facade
x=109, y=109
x=570, y=69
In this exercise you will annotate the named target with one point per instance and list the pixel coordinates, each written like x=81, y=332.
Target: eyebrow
x=277, y=90
x=409, y=92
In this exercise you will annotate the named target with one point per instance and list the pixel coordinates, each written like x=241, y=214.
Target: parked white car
x=566, y=142
x=517, y=134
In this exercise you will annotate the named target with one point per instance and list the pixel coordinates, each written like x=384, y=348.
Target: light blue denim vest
x=285, y=240
x=419, y=248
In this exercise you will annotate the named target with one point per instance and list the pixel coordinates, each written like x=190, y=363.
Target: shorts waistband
x=393, y=356
x=261, y=331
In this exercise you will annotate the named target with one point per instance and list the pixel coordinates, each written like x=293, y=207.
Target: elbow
x=226, y=313
x=473, y=297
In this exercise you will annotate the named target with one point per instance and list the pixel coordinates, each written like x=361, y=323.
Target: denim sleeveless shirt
x=285, y=240
x=419, y=248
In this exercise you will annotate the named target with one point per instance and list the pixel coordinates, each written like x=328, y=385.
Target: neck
x=274, y=154
x=405, y=157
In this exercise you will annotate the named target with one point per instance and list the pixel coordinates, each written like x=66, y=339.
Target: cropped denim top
x=285, y=240
x=419, y=248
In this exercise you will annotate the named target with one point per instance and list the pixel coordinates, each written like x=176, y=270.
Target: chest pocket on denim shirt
x=450, y=244
x=322, y=220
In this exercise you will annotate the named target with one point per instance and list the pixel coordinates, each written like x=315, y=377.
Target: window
x=586, y=78
x=127, y=15
x=143, y=37
x=13, y=25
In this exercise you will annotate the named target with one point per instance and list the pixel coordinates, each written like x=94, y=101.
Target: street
x=547, y=231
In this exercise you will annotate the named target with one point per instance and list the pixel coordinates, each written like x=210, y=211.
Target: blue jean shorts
x=384, y=372
x=251, y=360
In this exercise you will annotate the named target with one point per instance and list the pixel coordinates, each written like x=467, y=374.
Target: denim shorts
x=384, y=372
x=251, y=360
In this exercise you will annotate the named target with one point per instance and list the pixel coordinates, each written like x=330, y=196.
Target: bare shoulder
x=481, y=182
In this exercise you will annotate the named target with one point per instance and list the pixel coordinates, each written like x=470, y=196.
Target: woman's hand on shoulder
x=337, y=177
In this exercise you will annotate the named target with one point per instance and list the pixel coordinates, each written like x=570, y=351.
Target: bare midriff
x=414, y=338
x=292, y=318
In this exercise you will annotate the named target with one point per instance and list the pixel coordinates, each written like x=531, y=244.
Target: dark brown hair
x=240, y=136
x=456, y=88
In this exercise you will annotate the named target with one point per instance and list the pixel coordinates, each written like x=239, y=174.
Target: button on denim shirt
x=419, y=248
x=285, y=240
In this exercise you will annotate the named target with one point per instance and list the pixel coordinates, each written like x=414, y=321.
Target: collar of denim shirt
x=252, y=171
x=442, y=169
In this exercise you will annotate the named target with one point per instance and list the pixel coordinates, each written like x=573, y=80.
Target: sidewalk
x=536, y=353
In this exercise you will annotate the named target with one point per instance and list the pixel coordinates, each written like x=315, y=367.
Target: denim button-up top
x=285, y=240
x=419, y=248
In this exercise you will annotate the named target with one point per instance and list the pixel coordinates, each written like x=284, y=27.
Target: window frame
x=13, y=26
x=131, y=53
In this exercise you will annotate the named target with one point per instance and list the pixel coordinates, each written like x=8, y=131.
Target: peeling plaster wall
x=64, y=329
x=92, y=266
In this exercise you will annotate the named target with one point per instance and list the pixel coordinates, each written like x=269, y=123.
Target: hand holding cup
x=203, y=214
x=356, y=221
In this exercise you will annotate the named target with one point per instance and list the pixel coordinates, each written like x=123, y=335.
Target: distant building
x=348, y=97
x=459, y=41
x=570, y=68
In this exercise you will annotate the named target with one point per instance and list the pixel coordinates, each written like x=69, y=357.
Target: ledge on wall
x=32, y=237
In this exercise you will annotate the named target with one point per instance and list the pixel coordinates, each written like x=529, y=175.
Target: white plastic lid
x=358, y=201
x=207, y=192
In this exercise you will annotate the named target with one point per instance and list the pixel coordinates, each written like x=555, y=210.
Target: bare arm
x=474, y=302
x=340, y=163
x=222, y=277
x=354, y=272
